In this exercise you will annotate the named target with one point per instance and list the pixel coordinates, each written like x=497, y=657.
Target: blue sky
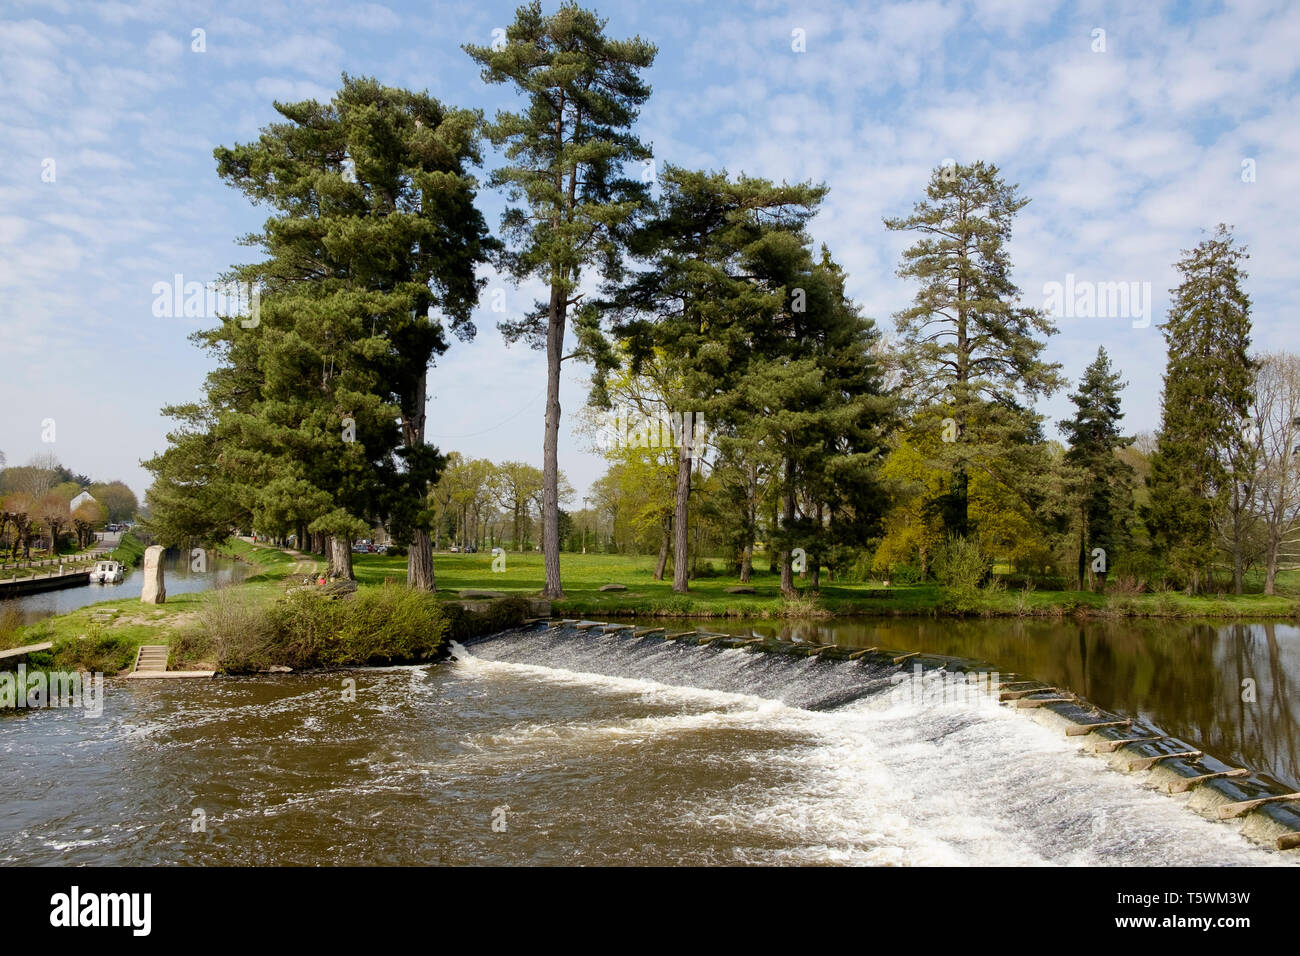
x=1129, y=154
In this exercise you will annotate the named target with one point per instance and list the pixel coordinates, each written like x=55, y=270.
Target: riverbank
x=129, y=550
x=267, y=620
x=106, y=635
x=585, y=575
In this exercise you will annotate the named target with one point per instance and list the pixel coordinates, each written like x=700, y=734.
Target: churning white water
x=880, y=779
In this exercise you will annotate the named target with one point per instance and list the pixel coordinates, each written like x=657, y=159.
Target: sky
x=1133, y=128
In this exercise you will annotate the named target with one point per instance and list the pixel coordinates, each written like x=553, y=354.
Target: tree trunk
x=961, y=500
x=419, y=556
x=663, y=556
x=815, y=579
x=746, y=563
x=419, y=562
x=787, y=572
x=772, y=559
x=1238, y=560
x=340, y=565
x=554, y=590
x=958, y=516
x=1083, y=547
x=681, y=549
x=1271, y=562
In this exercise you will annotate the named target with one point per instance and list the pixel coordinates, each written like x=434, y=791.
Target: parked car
x=454, y=550
x=470, y=549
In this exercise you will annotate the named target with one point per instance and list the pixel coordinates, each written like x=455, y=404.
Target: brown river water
x=575, y=748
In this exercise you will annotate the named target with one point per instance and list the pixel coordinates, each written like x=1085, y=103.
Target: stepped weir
x=828, y=677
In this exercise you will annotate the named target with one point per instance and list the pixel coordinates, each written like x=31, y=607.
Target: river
x=561, y=747
x=178, y=574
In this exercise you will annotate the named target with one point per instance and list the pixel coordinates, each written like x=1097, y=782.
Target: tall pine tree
x=973, y=357
x=693, y=308
x=565, y=156
x=376, y=232
x=1205, y=410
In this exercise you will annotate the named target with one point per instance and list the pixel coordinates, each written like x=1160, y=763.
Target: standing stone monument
x=154, y=592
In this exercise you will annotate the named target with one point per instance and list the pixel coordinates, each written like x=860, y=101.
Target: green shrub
x=98, y=650
x=233, y=630
x=904, y=574
x=390, y=624
x=960, y=565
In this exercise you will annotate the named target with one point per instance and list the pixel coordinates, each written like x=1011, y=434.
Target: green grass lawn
x=123, y=624
x=584, y=574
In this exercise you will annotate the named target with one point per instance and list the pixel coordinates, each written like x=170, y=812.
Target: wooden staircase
x=151, y=662
x=151, y=659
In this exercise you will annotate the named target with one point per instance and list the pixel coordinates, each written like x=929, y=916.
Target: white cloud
x=165, y=48
x=1127, y=156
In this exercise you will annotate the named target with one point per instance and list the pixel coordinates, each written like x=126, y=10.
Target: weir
x=829, y=678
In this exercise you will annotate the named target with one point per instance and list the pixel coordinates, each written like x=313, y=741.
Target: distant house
x=80, y=500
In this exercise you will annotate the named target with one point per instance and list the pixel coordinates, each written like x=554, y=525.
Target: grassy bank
x=105, y=636
x=585, y=574
x=263, y=622
x=254, y=625
x=129, y=550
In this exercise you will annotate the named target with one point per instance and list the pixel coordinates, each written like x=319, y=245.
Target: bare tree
x=1276, y=414
x=35, y=478
x=19, y=509
x=54, y=514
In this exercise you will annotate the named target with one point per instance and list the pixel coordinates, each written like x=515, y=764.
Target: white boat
x=106, y=572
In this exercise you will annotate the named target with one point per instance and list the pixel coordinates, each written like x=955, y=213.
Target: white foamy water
x=883, y=781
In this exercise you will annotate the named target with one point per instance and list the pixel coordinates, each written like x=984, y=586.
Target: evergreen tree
x=1103, y=482
x=193, y=496
x=566, y=153
x=809, y=388
x=842, y=452
x=376, y=229
x=969, y=351
x=1205, y=409
x=695, y=308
